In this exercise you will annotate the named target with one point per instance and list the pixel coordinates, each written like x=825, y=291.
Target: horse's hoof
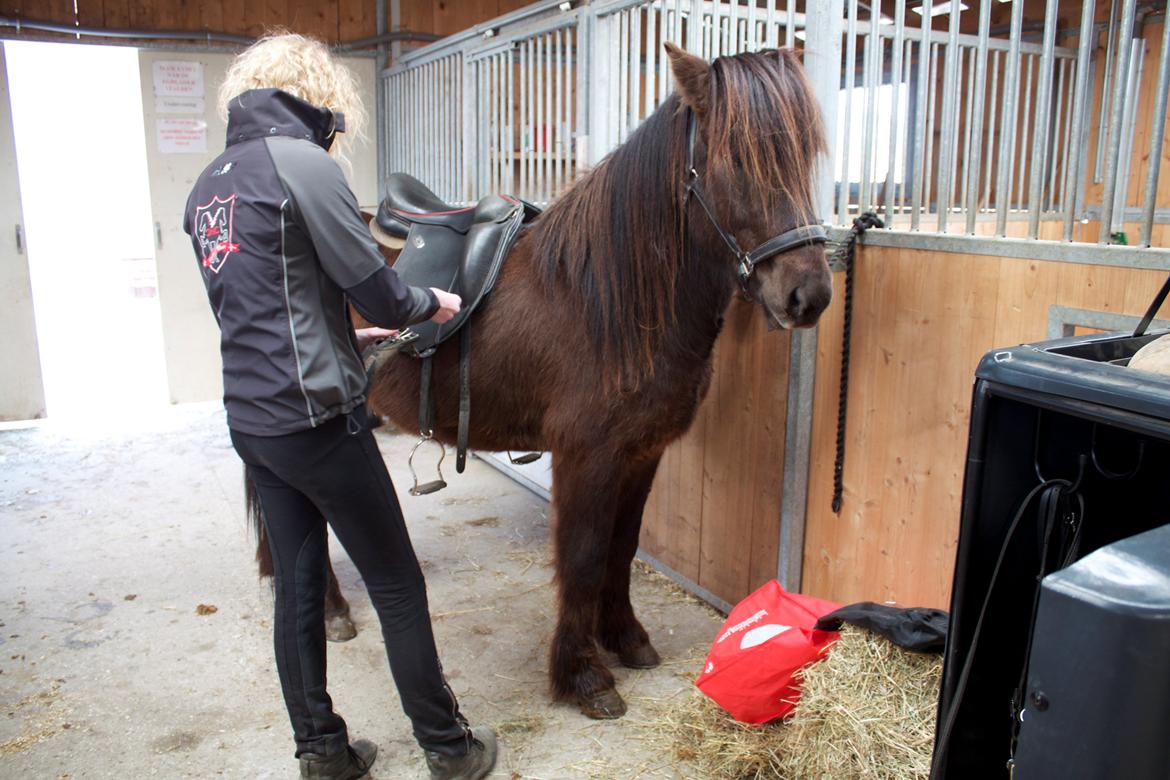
x=641, y=657
x=603, y=705
x=339, y=628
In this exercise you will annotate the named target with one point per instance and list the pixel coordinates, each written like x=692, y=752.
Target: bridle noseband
x=802, y=235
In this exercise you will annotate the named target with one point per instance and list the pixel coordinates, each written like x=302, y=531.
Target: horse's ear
x=692, y=77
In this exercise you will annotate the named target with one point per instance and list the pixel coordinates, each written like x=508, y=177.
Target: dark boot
x=353, y=762
x=476, y=764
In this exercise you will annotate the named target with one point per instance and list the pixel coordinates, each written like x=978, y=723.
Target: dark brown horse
x=596, y=342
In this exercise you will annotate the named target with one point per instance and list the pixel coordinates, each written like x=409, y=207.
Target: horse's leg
x=585, y=505
x=339, y=626
x=617, y=627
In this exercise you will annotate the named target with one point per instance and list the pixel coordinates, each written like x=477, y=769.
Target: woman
x=283, y=251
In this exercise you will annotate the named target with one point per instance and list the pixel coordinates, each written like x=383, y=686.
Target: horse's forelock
x=765, y=127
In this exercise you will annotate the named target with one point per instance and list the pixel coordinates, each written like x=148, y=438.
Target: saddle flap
x=466, y=264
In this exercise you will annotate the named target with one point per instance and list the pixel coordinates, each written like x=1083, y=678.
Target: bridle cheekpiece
x=801, y=235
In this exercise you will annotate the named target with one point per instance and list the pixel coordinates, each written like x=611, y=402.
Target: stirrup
x=531, y=457
x=434, y=485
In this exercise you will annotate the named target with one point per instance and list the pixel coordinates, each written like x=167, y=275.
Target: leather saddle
x=460, y=250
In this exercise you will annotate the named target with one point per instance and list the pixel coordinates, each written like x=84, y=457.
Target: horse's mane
x=616, y=239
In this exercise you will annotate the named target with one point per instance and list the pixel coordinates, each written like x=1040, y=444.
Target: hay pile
x=867, y=713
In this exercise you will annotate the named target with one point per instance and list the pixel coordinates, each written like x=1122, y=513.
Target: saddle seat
x=408, y=201
x=460, y=250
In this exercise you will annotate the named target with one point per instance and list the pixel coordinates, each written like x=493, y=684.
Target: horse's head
x=751, y=153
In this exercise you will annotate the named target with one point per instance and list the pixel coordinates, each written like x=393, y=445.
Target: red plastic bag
x=766, y=639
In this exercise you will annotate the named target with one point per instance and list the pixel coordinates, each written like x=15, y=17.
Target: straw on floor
x=867, y=713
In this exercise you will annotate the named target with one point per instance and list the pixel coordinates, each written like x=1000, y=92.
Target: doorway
x=81, y=153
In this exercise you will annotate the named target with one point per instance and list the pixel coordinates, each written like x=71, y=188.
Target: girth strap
x=464, y=398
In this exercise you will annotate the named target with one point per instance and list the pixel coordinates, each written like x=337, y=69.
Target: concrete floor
x=113, y=539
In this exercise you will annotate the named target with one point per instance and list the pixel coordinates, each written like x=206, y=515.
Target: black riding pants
x=333, y=474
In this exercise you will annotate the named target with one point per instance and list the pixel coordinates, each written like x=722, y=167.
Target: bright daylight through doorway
x=77, y=116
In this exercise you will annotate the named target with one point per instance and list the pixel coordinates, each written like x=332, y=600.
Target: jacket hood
x=265, y=112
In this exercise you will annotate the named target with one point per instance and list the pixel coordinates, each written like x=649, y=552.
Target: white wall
x=22, y=394
x=190, y=335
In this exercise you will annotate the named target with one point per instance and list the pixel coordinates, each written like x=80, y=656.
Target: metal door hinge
x=158, y=235
x=19, y=239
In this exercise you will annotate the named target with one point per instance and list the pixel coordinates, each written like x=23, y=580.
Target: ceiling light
x=940, y=9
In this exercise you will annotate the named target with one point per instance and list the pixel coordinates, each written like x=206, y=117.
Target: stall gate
x=1028, y=133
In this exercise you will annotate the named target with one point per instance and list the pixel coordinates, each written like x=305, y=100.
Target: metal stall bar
x=822, y=58
x=968, y=109
x=771, y=25
x=1157, y=134
x=920, y=109
x=664, y=26
x=558, y=81
x=651, y=63
x=1110, y=57
x=1060, y=203
x=467, y=75
x=1124, y=49
x=1055, y=145
x=584, y=63
x=695, y=28
x=950, y=109
x=896, y=89
x=790, y=23
x=975, y=149
x=931, y=111
x=850, y=82
x=752, y=38
x=546, y=110
x=635, y=67
x=1043, y=118
x=1023, y=133
x=510, y=135
x=504, y=121
x=1011, y=105
x=525, y=121
x=904, y=131
x=992, y=138
x=1128, y=125
x=623, y=75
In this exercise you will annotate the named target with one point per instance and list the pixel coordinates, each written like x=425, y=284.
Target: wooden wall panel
x=714, y=512
x=921, y=323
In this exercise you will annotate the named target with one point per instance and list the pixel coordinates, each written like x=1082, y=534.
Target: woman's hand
x=368, y=337
x=449, y=304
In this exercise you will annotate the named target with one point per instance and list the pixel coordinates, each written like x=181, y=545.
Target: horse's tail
x=255, y=514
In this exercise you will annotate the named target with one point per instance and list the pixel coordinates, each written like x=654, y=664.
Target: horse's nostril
x=796, y=302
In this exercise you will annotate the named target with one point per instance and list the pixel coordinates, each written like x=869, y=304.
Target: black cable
x=845, y=254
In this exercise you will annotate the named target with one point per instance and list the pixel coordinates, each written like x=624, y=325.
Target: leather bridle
x=801, y=235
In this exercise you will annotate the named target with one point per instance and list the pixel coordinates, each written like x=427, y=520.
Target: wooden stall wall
x=332, y=21
x=714, y=513
x=921, y=323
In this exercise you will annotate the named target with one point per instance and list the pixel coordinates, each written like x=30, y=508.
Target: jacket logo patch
x=213, y=228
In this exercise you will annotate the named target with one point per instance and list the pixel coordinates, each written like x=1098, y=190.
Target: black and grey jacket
x=283, y=249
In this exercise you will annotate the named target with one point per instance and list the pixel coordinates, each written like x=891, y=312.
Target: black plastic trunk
x=1059, y=404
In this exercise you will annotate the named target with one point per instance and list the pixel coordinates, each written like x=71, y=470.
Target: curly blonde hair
x=301, y=66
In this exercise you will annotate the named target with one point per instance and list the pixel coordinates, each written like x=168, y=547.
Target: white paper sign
x=178, y=105
x=181, y=136
x=178, y=78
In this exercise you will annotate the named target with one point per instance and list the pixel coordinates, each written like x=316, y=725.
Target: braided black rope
x=845, y=255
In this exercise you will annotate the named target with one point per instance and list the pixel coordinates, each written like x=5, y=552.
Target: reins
x=801, y=235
